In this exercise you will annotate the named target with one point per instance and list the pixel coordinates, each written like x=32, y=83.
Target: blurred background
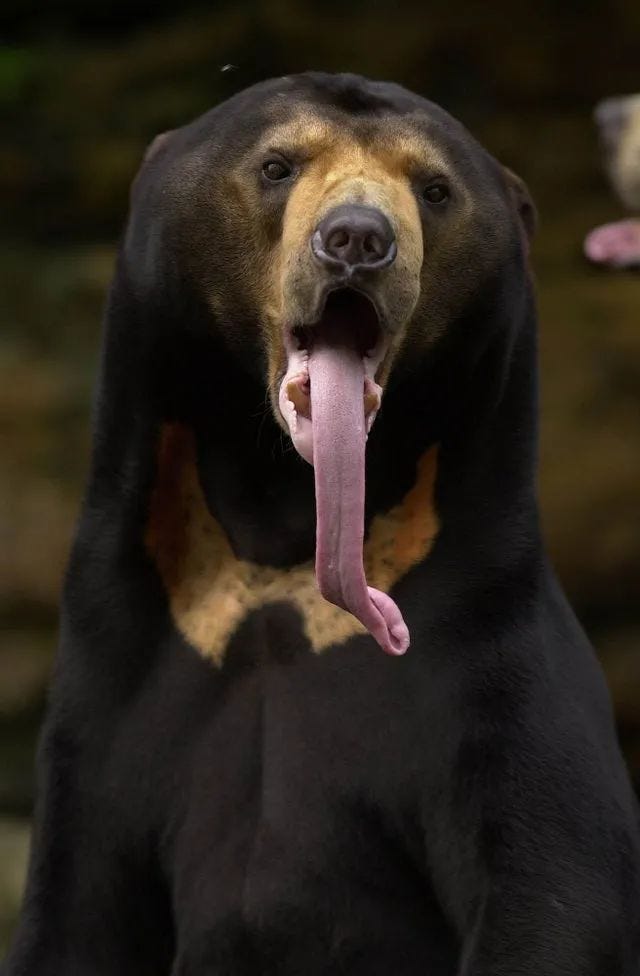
x=86, y=86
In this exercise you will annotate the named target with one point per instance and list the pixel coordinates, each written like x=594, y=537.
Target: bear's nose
x=352, y=237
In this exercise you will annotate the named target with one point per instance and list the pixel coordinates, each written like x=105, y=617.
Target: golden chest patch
x=211, y=591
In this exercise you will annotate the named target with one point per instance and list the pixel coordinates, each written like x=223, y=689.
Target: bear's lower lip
x=298, y=392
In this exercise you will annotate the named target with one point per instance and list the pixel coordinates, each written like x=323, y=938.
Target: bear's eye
x=274, y=170
x=436, y=193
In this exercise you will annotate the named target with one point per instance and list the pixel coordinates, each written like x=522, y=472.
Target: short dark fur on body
x=266, y=791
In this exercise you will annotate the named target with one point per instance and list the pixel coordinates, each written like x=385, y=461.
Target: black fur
x=463, y=810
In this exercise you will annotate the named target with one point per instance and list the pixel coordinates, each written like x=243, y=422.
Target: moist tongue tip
x=397, y=643
x=376, y=611
x=389, y=627
x=401, y=639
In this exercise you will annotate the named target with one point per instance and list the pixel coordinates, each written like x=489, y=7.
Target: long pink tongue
x=339, y=438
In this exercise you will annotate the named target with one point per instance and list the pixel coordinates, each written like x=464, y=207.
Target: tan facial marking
x=211, y=591
x=343, y=172
x=334, y=168
x=349, y=172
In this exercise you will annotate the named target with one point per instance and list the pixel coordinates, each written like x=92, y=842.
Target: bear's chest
x=300, y=846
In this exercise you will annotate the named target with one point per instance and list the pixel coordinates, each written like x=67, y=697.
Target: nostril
x=373, y=245
x=339, y=239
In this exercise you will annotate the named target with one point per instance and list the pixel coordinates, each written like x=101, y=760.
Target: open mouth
x=353, y=317
x=349, y=324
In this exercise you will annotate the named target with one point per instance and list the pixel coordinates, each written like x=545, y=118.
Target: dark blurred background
x=86, y=86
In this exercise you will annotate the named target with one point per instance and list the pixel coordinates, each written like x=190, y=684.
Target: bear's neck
x=475, y=401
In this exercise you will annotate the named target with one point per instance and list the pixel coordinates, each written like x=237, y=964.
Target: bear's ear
x=156, y=144
x=523, y=203
x=152, y=150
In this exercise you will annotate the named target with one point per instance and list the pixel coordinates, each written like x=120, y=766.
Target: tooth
x=371, y=402
x=293, y=423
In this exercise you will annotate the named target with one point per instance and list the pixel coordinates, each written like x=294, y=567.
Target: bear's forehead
x=309, y=133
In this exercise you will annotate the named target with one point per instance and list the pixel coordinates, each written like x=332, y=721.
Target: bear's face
x=329, y=208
